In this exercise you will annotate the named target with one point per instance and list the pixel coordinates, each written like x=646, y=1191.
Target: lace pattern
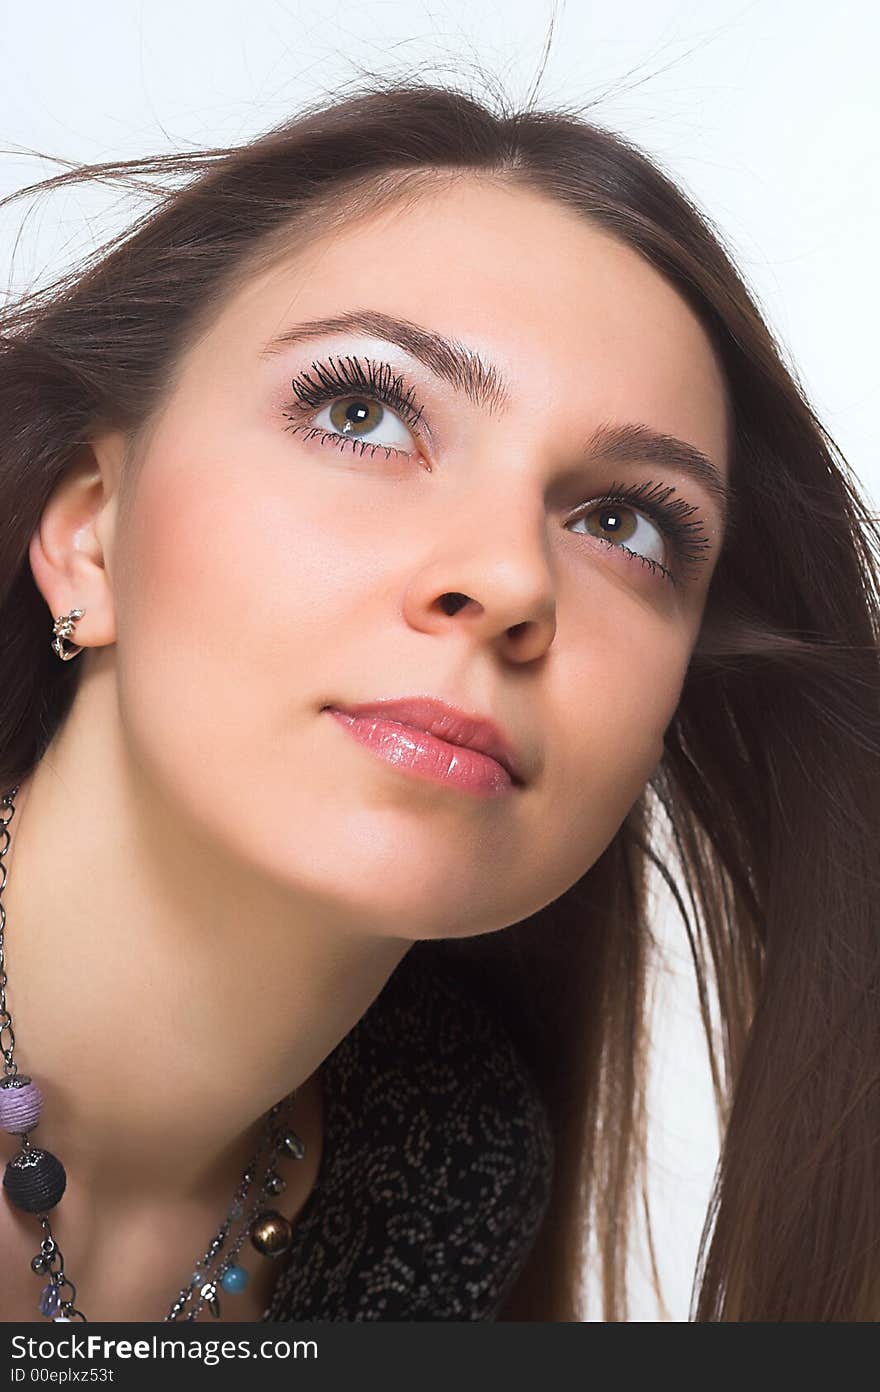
x=436, y=1166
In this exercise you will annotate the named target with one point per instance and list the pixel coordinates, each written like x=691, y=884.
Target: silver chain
x=10, y=1067
x=49, y=1259
x=200, y=1279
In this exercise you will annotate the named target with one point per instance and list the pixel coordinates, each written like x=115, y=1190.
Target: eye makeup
x=365, y=380
x=349, y=376
x=687, y=540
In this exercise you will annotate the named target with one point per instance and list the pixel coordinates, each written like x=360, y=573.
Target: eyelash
x=687, y=539
x=350, y=376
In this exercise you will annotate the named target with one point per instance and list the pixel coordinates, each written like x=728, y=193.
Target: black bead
x=289, y=1143
x=34, y=1180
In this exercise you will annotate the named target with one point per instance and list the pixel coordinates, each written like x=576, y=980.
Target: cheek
x=612, y=740
x=219, y=569
x=228, y=614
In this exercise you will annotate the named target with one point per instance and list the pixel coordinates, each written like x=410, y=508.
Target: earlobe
x=70, y=550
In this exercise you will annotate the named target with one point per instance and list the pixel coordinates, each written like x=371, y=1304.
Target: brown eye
x=625, y=527
x=362, y=418
x=352, y=414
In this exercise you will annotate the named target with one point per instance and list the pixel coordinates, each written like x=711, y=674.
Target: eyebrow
x=467, y=372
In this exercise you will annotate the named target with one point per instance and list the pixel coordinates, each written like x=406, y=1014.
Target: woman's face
x=263, y=573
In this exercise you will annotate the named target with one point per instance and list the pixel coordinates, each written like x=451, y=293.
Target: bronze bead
x=271, y=1233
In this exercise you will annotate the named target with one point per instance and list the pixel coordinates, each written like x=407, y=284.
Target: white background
x=766, y=113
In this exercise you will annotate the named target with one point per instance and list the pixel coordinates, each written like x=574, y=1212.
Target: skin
x=210, y=880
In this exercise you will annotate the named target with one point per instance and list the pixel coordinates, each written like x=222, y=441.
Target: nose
x=490, y=569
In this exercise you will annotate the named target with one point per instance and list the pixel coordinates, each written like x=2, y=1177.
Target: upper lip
x=444, y=722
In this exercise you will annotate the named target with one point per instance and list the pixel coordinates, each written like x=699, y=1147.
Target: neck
x=165, y=994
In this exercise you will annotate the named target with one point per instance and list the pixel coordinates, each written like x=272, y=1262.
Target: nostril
x=453, y=601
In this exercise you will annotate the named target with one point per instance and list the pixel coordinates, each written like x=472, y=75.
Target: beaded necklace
x=35, y=1180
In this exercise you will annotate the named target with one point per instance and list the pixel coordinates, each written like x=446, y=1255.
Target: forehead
x=532, y=286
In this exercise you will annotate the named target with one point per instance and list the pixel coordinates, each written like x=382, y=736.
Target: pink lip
x=436, y=741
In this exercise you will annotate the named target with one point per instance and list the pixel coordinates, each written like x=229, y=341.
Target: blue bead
x=49, y=1300
x=235, y=1278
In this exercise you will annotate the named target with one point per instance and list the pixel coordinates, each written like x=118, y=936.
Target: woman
x=412, y=399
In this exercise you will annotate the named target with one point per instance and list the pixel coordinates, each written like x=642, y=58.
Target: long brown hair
x=767, y=795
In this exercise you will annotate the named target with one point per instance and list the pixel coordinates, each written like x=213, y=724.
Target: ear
x=71, y=551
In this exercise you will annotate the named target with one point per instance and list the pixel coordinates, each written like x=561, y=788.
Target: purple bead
x=49, y=1300
x=21, y=1104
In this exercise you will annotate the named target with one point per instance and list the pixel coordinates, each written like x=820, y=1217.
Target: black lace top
x=436, y=1164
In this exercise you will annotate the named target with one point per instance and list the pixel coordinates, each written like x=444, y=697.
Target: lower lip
x=414, y=751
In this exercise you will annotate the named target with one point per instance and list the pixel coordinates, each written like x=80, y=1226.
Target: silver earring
x=63, y=628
